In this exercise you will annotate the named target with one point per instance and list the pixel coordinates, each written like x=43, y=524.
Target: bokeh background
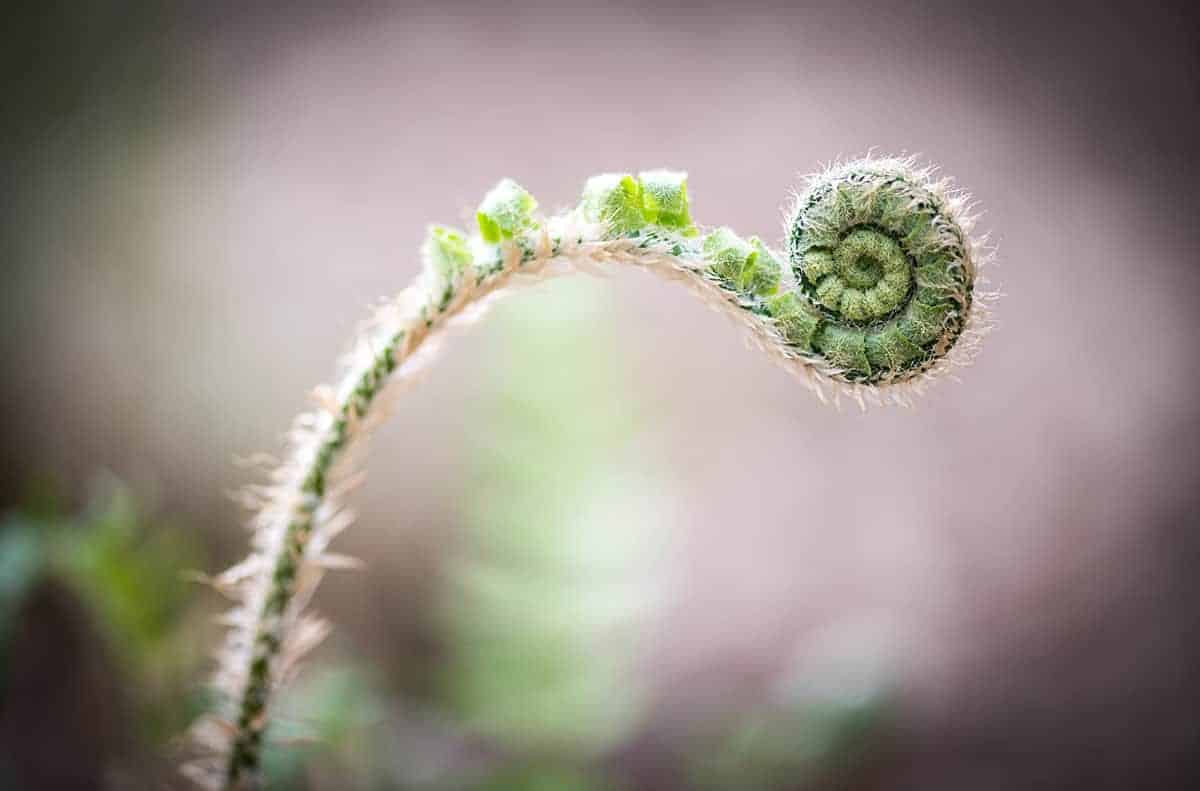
x=608, y=547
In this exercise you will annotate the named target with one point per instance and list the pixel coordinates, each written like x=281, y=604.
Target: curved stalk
x=622, y=221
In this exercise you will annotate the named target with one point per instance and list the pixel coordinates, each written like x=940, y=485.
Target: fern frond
x=877, y=296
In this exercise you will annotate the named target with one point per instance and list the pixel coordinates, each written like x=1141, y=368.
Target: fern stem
x=289, y=569
x=880, y=294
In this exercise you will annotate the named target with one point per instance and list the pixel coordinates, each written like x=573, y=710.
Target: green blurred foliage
x=541, y=778
x=818, y=728
x=559, y=528
x=559, y=520
x=328, y=722
x=790, y=746
x=20, y=563
x=126, y=568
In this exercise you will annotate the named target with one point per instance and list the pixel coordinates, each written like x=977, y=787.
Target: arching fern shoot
x=877, y=294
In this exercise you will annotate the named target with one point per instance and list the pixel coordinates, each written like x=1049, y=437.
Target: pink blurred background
x=201, y=203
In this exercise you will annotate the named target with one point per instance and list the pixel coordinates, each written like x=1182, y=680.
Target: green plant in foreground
x=875, y=297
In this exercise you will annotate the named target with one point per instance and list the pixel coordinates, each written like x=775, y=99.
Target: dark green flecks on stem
x=244, y=754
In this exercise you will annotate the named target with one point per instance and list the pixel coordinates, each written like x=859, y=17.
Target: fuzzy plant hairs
x=877, y=293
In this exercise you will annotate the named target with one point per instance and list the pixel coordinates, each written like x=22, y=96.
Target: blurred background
x=608, y=547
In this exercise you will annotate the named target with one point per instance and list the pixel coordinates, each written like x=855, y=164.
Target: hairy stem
x=300, y=503
x=880, y=290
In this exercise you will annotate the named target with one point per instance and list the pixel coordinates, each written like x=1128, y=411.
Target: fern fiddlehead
x=876, y=295
x=885, y=261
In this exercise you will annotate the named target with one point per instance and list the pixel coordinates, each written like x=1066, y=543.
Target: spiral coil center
x=863, y=278
x=864, y=273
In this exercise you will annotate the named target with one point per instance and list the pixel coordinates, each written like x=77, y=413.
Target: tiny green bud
x=797, y=322
x=746, y=267
x=446, y=252
x=768, y=270
x=665, y=200
x=505, y=211
x=725, y=248
x=614, y=199
x=446, y=256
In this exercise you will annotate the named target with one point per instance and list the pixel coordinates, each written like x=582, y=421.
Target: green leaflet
x=447, y=257
x=505, y=211
x=744, y=266
x=614, y=199
x=796, y=320
x=627, y=204
x=665, y=200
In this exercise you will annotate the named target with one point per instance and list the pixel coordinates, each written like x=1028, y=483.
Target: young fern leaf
x=879, y=295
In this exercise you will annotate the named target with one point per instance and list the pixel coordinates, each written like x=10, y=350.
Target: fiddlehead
x=878, y=294
x=882, y=256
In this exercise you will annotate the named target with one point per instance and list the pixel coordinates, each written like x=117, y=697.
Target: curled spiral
x=885, y=269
